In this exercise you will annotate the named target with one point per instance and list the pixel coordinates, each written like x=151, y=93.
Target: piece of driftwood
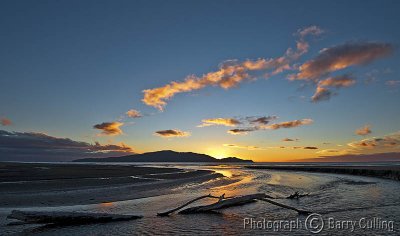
x=235, y=201
x=166, y=213
x=228, y=202
x=300, y=211
x=67, y=218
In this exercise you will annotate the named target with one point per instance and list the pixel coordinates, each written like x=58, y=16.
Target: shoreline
x=384, y=172
x=38, y=184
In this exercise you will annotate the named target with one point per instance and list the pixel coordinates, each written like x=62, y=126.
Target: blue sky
x=68, y=65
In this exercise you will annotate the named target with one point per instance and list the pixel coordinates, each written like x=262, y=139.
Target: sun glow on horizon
x=218, y=153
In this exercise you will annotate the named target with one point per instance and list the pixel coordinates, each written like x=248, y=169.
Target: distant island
x=166, y=156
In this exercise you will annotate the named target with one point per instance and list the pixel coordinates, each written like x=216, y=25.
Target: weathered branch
x=297, y=195
x=166, y=213
x=67, y=218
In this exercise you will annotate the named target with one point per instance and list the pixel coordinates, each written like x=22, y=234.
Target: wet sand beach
x=44, y=184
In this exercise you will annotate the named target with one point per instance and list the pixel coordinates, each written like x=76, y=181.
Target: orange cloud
x=109, y=128
x=322, y=93
x=340, y=57
x=289, y=124
x=338, y=81
x=230, y=73
x=171, y=133
x=133, y=113
x=122, y=147
x=365, y=130
x=334, y=152
x=220, y=121
x=5, y=122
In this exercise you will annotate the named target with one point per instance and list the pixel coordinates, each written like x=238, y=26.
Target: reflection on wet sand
x=354, y=196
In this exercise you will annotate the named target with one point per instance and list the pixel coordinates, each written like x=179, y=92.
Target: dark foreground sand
x=36, y=184
x=387, y=172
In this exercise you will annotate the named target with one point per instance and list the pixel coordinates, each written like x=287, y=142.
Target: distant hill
x=165, y=156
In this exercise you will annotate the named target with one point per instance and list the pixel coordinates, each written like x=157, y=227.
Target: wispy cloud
x=340, y=57
x=242, y=147
x=296, y=147
x=133, y=113
x=220, y=121
x=257, y=126
x=30, y=146
x=263, y=120
x=392, y=83
x=5, y=122
x=172, y=133
x=322, y=94
x=243, y=131
x=337, y=81
x=365, y=130
x=110, y=128
x=288, y=124
x=290, y=140
x=231, y=72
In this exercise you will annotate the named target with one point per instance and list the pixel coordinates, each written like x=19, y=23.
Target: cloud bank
x=390, y=141
x=30, y=146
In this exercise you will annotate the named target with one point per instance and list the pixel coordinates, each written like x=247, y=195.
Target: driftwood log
x=236, y=201
x=67, y=218
x=228, y=202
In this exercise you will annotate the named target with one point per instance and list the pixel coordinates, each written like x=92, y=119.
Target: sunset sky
x=260, y=80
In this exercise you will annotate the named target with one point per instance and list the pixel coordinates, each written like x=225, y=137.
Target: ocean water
x=344, y=204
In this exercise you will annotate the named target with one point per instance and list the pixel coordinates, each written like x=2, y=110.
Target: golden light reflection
x=226, y=173
x=106, y=204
